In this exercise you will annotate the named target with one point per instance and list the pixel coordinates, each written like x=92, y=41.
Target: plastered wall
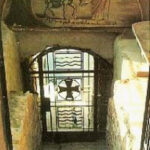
x=11, y=60
x=32, y=42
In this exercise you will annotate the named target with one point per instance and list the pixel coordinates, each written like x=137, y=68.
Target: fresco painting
x=76, y=13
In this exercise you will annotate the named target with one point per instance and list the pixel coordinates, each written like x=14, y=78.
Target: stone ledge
x=128, y=60
x=141, y=31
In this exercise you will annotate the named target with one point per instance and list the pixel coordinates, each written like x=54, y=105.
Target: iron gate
x=68, y=81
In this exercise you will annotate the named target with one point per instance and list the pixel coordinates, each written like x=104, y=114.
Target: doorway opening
x=68, y=83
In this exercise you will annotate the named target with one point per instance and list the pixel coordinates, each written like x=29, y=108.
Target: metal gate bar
x=41, y=75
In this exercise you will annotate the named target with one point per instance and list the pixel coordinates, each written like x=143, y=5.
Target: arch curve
x=55, y=48
x=102, y=74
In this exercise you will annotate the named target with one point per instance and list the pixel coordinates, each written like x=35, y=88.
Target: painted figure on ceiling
x=100, y=9
x=74, y=4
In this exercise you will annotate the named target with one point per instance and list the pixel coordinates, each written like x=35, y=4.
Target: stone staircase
x=99, y=145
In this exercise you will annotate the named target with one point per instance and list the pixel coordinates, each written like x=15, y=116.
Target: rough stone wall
x=113, y=124
x=25, y=121
x=125, y=115
x=11, y=60
x=126, y=107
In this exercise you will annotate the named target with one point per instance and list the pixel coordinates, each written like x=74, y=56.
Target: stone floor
x=99, y=145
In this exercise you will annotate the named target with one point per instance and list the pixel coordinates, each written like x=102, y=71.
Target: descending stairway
x=99, y=145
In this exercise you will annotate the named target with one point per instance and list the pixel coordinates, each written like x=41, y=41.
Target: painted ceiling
x=86, y=13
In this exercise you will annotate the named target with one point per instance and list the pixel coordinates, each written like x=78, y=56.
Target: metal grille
x=66, y=78
x=74, y=88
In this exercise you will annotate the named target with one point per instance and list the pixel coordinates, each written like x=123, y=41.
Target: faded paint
x=32, y=42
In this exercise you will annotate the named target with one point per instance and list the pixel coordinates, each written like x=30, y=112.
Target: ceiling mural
x=79, y=13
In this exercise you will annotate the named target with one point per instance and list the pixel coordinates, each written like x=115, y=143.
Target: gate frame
x=86, y=135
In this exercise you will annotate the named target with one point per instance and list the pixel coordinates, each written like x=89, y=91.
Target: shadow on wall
x=20, y=13
x=145, y=5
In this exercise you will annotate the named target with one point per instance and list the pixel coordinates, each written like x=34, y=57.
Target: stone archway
x=102, y=74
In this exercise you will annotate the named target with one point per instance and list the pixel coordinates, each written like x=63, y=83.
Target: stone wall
x=125, y=115
x=11, y=60
x=127, y=58
x=31, y=41
x=25, y=121
x=126, y=107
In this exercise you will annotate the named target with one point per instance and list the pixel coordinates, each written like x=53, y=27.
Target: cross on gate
x=69, y=89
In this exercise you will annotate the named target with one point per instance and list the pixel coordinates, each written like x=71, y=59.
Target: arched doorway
x=68, y=81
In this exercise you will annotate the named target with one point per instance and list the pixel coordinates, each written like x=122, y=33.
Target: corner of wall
x=11, y=60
